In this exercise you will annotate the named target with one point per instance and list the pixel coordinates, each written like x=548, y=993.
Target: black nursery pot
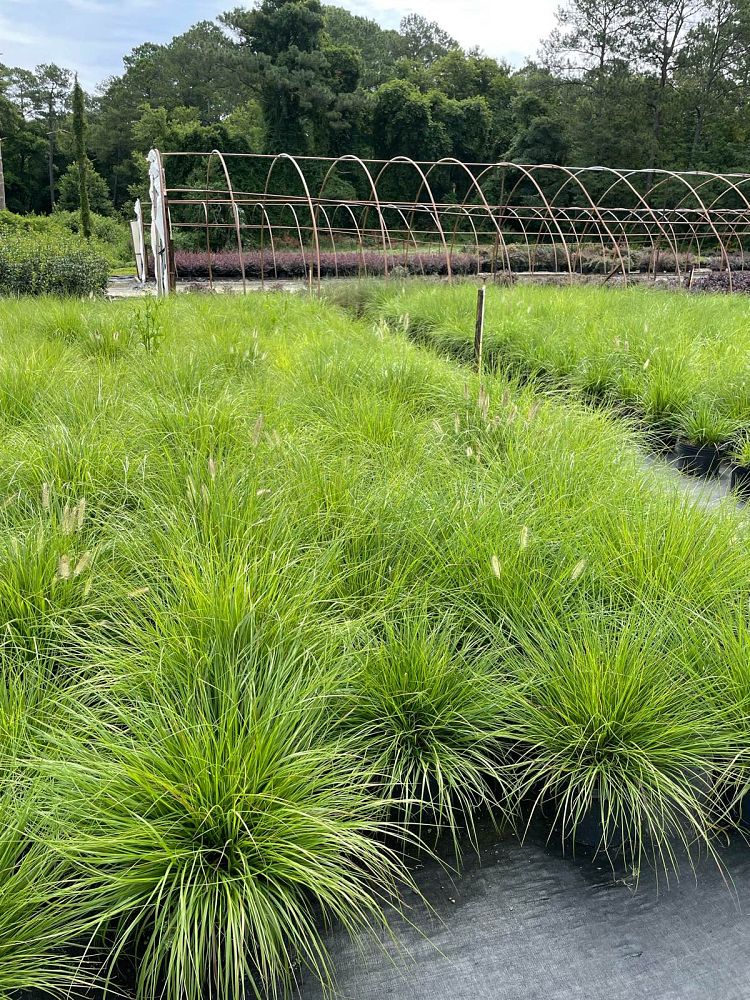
x=698, y=459
x=740, y=482
x=744, y=816
x=589, y=835
x=662, y=440
x=590, y=831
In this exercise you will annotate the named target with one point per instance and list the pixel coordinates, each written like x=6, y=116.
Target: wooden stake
x=479, y=329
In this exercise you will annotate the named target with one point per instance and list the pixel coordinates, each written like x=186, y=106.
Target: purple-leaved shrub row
x=719, y=281
x=293, y=264
x=289, y=264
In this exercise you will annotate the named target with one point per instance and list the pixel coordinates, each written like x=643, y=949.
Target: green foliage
x=227, y=819
x=403, y=123
x=147, y=326
x=49, y=264
x=741, y=451
x=674, y=362
x=37, y=914
x=704, y=423
x=111, y=236
x=292, y=589
x=431, y=721
x=379, y=49
x=604, y=725
x=425, y=41
x=82, y=160
x=69, y=195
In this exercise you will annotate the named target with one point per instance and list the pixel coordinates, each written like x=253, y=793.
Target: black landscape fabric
x=525, y=923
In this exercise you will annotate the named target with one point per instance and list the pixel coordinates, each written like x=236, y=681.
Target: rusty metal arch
x=729, y=186
x=668, y=175
x=235, y=210
x=408, y=160
x=321, y=209
x=291, y=159
x=573, y=176
x=528, y=174
x=533, y=206
x=514, y=213
x=453, y=162
x=470, y=217
x=399, y=211
x=623, y=176
x=348, y=208
x=351, y=158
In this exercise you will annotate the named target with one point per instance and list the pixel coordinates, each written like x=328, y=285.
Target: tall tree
x=425, y=41
x=50, y=102
x=540, y=135
x=661, y=27
x=3, y=203
x=82, y=161
x=591, y=35
x=379, y=48
x=710, y=50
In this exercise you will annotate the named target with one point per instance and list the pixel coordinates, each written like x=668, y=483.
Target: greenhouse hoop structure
x=264, y=217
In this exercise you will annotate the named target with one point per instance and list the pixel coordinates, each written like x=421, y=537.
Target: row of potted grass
x=286, y=598
x=676, y=364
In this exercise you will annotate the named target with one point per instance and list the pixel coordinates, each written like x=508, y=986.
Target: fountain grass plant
x=302, y=587
x=217, y=822
x=42, y=925
x=637, y=349
x=429, y=716
x=608, y=730
x=40, y=920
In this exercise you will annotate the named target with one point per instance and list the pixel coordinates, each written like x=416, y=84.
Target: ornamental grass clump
x=609, y=724
x=429, y=719
x=40, y=922
x=704, y=424
x=42, y=928
x=218, y=823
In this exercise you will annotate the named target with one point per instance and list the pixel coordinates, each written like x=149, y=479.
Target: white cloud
x=15, y=36
x=106, y=30
x=508, y=29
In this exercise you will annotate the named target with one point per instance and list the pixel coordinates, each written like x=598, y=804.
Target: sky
x=91, y=36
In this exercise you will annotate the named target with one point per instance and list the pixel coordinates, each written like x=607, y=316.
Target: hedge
x=111, y=235
x=45, y=263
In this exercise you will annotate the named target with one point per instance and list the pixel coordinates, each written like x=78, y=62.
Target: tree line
x=626, y=83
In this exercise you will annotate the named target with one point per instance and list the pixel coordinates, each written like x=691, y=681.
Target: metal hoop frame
x=617, y=215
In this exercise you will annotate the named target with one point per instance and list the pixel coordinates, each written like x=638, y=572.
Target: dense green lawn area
x=678, y=362
x=284, y=593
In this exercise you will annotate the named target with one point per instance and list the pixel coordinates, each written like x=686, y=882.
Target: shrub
x=722, y=281
x=69, y=194
x=111, y=235
x=49, y=264
x=291, y=264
